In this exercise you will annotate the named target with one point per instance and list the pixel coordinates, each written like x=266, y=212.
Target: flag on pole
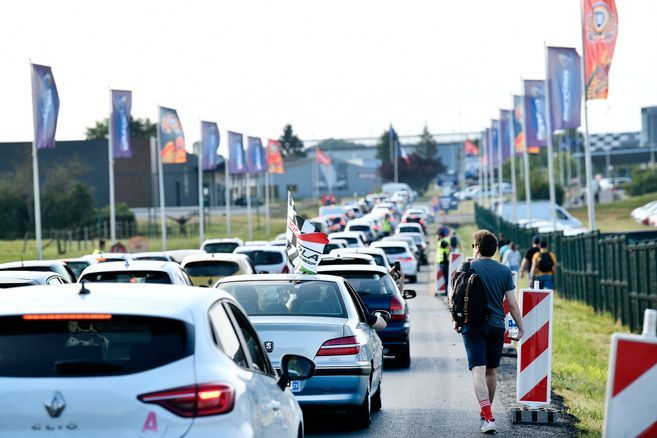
x=471, y=149
x=172, y=138
x=518, y=115
x=236, y=158
x=505, y=136
x=275, y=157
x=485, y=140
x=565, y=80
x=398, y=149
x=121, y=106
x=45, y=106
x=322, y=158
x=209, y=144
x=535, y=122
x=256, y=162
x=494, y=135
x=304, y=244
x=600, y=29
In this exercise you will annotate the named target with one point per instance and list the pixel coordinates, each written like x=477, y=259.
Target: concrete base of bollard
x=534, y=415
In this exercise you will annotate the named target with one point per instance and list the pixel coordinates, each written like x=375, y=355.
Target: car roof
x=133, y=265
x=31, y=263
x=149, y=253
x=272, y=248
x=347, y=256
x=361, y=250
x=217, y=256
x=124, y=298
x=345, y=234
x=5, y=276
x=280, y=277
x=352, y=268
x=386, y=243
x=222, y=240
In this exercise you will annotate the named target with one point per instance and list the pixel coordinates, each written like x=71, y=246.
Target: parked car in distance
x=136, y=271
x=377, y=254
x=409, y=227
x=117, y=360
x=56, y=266
x=539, y=210
x=335, y=244
x=12, y=279
x=267, y=259
x=398, y=251
x=364, y=226
x=640, y=214
x=206, y=269
x=226, y=245
x=355, y=239
x=177, y=255
x=416, y=239
x=156, y=256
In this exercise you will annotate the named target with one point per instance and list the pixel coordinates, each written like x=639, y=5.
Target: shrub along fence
x=612, y=272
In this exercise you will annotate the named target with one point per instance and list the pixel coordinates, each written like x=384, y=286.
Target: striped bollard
x=441, y=285
x=535, y=348
x=455, y=261
x=630, y=409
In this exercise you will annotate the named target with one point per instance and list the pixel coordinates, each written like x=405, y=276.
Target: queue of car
x=220, y=339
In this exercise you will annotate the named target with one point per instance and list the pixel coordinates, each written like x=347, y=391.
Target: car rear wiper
x=80, y=366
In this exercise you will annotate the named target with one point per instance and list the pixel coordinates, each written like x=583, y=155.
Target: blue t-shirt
x=497, y=279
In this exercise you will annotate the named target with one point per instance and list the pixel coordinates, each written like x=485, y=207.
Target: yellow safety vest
x=443, y=253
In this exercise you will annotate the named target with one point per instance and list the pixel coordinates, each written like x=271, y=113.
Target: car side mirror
x=384, y=314
x=295, y=367
x=409, y=294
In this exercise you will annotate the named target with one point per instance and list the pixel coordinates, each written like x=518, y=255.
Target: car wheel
x=362, y=415
x=403, y=359
x=412, y=278
x=376, y=399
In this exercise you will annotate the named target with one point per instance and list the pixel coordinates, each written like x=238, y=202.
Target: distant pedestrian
x=503, y=249
x=484, y=342
x=544, y=267
x=442, y=254
x=526, y=264
x=512, y=258
x=454, y=243
x=101, y=247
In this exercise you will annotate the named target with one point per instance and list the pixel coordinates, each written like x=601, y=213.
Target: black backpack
x=468, y=303
x=545, y=262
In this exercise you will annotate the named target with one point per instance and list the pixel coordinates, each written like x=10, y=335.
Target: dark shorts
x=483, y=345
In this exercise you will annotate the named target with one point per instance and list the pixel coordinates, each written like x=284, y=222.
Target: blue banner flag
x=236, y=158
x=535, y=123
x=256, y=162
x=209, y=144
x=494, y=145
x=565, y=82
x=505, y=134
x=45, y=106
x=518, y=117
x=121, y=106
x=172, y=138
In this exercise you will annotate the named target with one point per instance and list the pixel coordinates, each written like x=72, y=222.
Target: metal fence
x=611, y=272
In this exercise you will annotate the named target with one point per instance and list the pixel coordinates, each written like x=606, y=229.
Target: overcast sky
x=333, y=69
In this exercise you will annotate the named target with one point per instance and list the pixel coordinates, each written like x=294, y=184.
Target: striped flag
x=322, y=158
x=304, y=244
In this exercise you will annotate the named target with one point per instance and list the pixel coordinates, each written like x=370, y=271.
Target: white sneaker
x=488, y=427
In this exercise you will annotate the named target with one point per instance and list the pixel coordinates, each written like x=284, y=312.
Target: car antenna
x=83, y=289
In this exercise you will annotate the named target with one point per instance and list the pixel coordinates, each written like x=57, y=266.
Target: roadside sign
x=632, y=383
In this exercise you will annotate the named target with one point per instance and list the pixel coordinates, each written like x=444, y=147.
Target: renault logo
x=56, y=405
x=269, y=346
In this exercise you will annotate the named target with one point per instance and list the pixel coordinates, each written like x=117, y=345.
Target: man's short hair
x=543, y=243
x=536, y=240
x=486, y=241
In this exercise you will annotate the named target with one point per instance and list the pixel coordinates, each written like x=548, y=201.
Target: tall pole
x=588, y=166
x=267, y=214
x=491, y=168
x=35, y=181
x=525, y=158
x=110, y=160
x=201, y=209
x=395, y=153
x=514, y=192
x=550, y=157
x=249, y=220
x=160, y=180
x=480, y=172
x=227, y=196
x=500, y=173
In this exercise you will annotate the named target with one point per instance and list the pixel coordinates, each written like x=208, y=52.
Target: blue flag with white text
x=505, y=134
x=535, y=122
x=121, y=106
x=209, y=144
x=256, y=160
x=565, y=80
x=45, y=106
x=236, y=156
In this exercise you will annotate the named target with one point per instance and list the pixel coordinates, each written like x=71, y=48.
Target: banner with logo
x=505, y=134
x=600, y=32
x=275, y=157
x=565, y=79
x=45, y=106
x=518, y=115
x=471, y=149
x=322, y=158
x=121, y=106
x=535, y=123
x=172, y=138
x=209, y=144
x=236, y=156
x=304, y=244
x=494, y=145
x=255, y=162
x=485, y=141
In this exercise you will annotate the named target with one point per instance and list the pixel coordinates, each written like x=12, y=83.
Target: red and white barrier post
x=455, y=261
x=535, y=348
x=509, y=323
x=441, y=284
x=630, y=408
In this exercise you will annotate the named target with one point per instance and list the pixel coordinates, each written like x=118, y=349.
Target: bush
x=14, y=212
x=643, y=181
x=540, y=188
x=123, y=213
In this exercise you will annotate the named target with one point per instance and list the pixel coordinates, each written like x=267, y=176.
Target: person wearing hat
x=526, y=264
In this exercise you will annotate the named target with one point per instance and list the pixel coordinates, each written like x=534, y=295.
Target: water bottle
x=513, y=329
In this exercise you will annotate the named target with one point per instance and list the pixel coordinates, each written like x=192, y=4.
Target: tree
x=383, y=151
x=291, y=145
x=427, y=147
x=139, y=128
x=67, y=203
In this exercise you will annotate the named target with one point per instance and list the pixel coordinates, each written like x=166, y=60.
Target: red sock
x=486, y=411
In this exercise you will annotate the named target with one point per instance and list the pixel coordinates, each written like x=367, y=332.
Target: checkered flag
x=304, y=244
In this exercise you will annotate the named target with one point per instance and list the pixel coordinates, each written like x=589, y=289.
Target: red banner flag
x=275, y=157
x=600, y=28
x=322, y=158
x=471, y=149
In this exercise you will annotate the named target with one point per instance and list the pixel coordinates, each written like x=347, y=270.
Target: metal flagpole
x=249, y=220
x=491, y=169
x=500, y=172
x=110, y=159
x=35, y=182
x=395, y=152
x=267, y=194
x=480, y=172
x=201, y=209
x=525, y=159
x=514, y=192
x=227, y=196
x=588, y=166
x=550, y=157
x=160, y=179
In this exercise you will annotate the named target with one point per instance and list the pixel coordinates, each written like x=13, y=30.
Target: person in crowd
x=442, y=254
x=484, y=342
x=512, y=258
x=454, y=243
x=101, y=247
x=526, y=264
x=544, y=267
x=503, y=249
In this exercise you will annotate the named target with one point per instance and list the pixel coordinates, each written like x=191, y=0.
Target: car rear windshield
x=221, y=247
x=304, y=298
x=264, y=257
x=369, y=283
x=393, y=249
x=16, y=284
x=331, y=211
x=77, y=267
x=329, y=246
x=379, y=259
x=128, y=277
x=70, y=347
x=359, y=228
x=408, y=229
x=343, y=261
x=154, y=258
x=214, y=268
x=350, y=240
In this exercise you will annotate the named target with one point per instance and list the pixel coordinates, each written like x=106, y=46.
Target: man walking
x=442, y=254
x=484, y=342
x=526, y=264
x=543, y=268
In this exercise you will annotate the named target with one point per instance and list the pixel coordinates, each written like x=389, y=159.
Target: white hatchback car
x=399, y=251
x=139, y=360
x=137, y=271
x=267, y=259
x=355, y=239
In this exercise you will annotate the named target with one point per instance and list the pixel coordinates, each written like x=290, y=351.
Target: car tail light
x=405, y=259
x=342, y=222
x=377, y=228
x=66, y=316
x=422, y=221
x=340, y=347
x=397, y=309
x=194, y=400
x=286, y=270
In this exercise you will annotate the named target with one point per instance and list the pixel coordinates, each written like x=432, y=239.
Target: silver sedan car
x=321, y=317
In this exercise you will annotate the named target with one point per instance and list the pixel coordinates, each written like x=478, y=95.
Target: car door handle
x=275, y=405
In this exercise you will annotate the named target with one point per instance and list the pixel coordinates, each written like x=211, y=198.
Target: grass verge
x=615, y=216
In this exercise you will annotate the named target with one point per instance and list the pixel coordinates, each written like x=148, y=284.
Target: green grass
x=615, y=216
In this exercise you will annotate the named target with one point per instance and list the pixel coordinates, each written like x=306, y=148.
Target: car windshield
x=220, y=247
x=70, y=347
x=304, y=298
x=211, y=268
x=128, y=277
x=264, y=257
x=77, y=267
x=369, y=283
x=359, y=227
x=393, y=249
